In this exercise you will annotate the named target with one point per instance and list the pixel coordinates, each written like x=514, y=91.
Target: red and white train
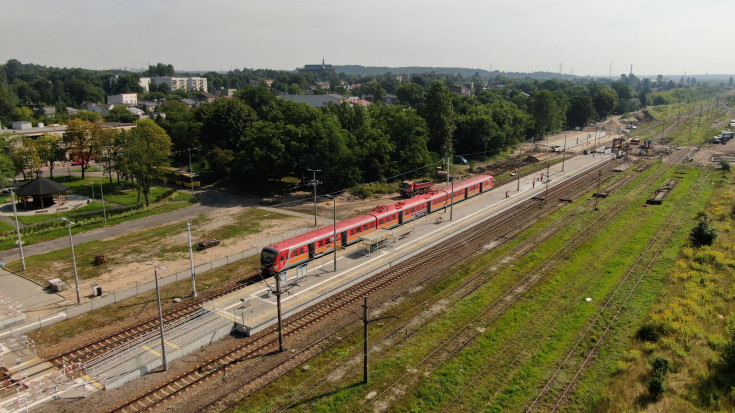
x=298, y=250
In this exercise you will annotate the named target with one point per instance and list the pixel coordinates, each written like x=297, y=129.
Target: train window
x=293, y=253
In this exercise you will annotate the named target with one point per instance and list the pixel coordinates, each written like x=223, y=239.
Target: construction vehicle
x=409, y=189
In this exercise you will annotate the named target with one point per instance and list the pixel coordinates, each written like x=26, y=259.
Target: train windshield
x=267, y=257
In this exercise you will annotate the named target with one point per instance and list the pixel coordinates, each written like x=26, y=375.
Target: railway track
x=478, y=278
x=433, y=261
x=466, y=335
x=556, y=390
x=136, y=332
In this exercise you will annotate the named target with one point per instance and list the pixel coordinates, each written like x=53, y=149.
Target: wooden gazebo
x=41, y=192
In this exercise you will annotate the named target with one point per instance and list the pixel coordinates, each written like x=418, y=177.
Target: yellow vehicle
x=176, y=176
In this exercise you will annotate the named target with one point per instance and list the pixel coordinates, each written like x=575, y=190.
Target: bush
x=373, y=190
x=725, y=165
x=648, y=332
x=728, y=350
x=704, y=233
x=656, y=382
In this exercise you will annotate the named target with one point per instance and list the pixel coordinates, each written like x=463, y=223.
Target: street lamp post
x=73, y=259
x=102, y=195
x=451, y=205
x=334, y=235
x=191, y=261
x=160, y=314
x=314, y=182
x=189, y=150
x=17, y=232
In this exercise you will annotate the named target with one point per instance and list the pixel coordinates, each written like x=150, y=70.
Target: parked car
x=460, y=160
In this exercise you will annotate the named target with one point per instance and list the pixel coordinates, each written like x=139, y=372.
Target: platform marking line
x=171, y=344
x=152, y=351
x=227, y=316
x=94, y=382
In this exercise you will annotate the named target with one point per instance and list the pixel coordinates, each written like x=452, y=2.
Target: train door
x=311, y=250
x=400, y=217
x=344, y=238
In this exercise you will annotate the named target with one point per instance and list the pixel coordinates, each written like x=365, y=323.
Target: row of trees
x=130, y=154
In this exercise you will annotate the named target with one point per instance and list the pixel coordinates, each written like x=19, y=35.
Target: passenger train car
x=298, y=250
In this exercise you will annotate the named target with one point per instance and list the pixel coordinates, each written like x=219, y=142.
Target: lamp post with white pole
x=334, y=236
x=73, y=259
x=17, y=232
x=191, y=261
x=314, y=183
x=189, y=150
x=160, y=314
x=102, y=195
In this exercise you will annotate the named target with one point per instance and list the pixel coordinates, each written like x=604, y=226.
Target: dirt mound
x=643, y=116
x=530, y=159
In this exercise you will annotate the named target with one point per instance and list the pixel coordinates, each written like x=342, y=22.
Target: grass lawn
x=61, y=232
x=137, y=246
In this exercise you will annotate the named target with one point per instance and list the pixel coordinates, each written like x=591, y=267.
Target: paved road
x=209, y=200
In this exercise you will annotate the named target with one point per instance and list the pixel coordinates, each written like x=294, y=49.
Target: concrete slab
x=29, y=294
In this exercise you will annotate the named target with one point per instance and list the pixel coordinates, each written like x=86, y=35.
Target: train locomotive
x=295, y=251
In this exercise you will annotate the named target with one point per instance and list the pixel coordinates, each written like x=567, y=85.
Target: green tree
x=581, y=110
x=704, y=233
x=49, y=148
x=82, y=140
x=439, y=115
x=605, y=101
x=148, y=146
x=411, y=94
x=546, y=113
x=227, y=122
x=220, y=161
x=8, y=101
x=24, y=157
x=121, y=113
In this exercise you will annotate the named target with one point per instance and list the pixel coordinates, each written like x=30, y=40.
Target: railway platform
x=253, y=308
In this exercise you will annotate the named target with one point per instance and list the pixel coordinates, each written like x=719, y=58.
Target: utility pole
x=365, y=342
x=314, y=182
x=451, y=206
x=700, y=116
x=365, y=322
x=334, y=235
x=278, y=307
x=597, y=194
x=17, y=232
x=191, y=261
x=564, y=153
x=102, y=195
x=546, y=196
x=518, y=172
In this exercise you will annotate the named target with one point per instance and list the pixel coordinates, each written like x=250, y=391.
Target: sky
x=583, y=37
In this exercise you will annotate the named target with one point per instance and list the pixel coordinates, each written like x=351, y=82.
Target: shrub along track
x=443, y=256
x=466, y=334
x=556, y=391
